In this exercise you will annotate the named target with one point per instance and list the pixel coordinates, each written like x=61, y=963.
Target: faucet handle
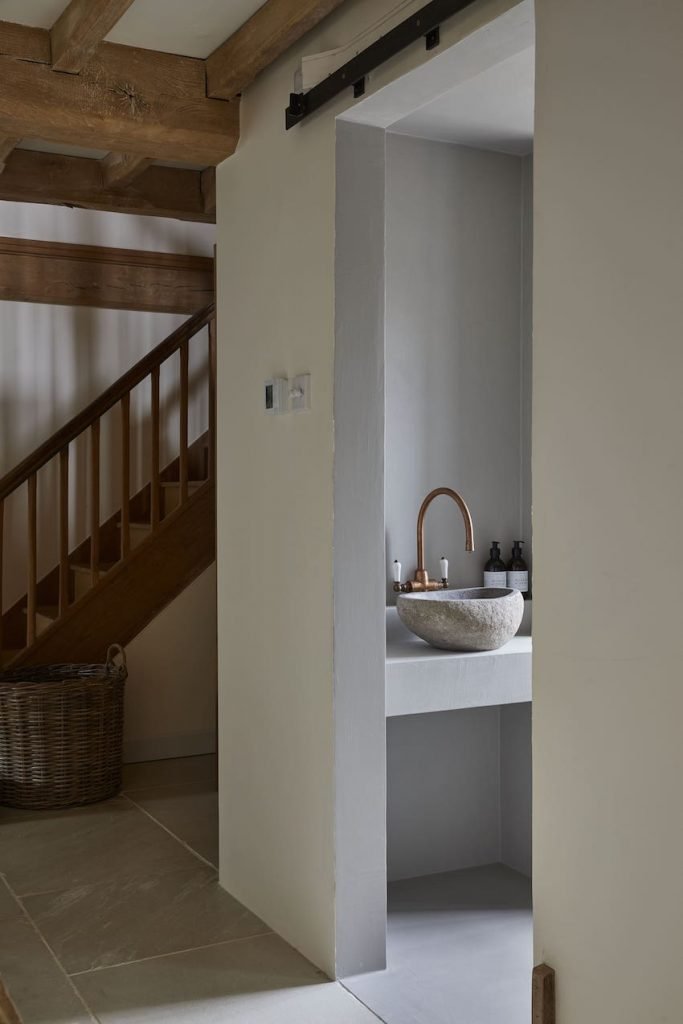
x=444, y=570
x=397, y=571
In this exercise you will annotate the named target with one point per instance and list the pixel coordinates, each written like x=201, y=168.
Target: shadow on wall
x=55, y=361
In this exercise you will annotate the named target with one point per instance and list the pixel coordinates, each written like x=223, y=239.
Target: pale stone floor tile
x=107, y=883
x=200, y=770
x=190, y=812
x=102, y=925
x=36, y=984
x=459, y=950
x=50, y=851
x=253, y=981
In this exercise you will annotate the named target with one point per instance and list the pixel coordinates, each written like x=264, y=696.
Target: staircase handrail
x=109, y=398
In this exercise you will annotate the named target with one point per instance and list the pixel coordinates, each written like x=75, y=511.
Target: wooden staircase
x=113, y=583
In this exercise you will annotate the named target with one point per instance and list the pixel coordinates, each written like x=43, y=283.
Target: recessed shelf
x=421, y=679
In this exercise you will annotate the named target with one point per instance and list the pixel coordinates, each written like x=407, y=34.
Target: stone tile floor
x=459, y=950
x=112, y=913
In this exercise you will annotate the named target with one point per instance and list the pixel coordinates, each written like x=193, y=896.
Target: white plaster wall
x=455, y=401
x=359, y=643
x=54, y=360
x=608, y=493
x=443, y=791
x=276, y=229
x=459, y=790
x=171, y=688
x=515, y=786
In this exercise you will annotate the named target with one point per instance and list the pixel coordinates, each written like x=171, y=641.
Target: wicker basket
x=61, y=733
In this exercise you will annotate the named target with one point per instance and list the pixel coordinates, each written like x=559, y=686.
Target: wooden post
x=95, y=501
x=155, y=516
x=63, y=530
x=125, y=475
x=543, y=995
x=184, y=404
x=32, y=559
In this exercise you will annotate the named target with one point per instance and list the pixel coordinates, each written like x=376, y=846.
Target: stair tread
x=48, y=611
x=86, y=567
x=176, y=483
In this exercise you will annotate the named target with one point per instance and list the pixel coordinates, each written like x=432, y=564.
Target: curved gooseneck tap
x=422, y=580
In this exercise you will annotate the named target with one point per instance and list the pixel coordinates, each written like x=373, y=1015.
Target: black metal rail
x=424, y=23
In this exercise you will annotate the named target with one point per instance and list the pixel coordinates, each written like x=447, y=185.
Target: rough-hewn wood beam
x=79, y=30
x=6, y=147
x=88, y=275
x=74, y=181
x=270, y=32
x=24, y=42
x=126, y=100
x=120, y=169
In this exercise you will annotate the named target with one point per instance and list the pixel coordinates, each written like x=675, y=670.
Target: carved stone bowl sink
x=478, y=619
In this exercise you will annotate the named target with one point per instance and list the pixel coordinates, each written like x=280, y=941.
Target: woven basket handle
x=115, y=651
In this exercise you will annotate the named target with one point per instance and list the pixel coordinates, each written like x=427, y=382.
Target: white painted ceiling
x=492, y=110
x=191, y=27
x=40, y=13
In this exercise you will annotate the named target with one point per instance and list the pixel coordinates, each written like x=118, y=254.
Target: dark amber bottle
x=495, y=573
x=518, y=571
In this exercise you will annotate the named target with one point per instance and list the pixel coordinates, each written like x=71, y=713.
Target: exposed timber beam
x=24, y=42
x=126, y=100
x=59, y=180
x=79, y=30
x=276, y=26
x=119, y=169
x=6, y=147
x=101, y=278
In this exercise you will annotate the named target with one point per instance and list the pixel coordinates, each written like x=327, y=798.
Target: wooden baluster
x=184, y=402
x=2, y=520
x=125, y=475
x=212, y=399
x=63, y=530
x=155, y=486
x=31, y=599
x=95, y=501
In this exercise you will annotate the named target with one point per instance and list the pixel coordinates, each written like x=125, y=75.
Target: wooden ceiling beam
x=6, y=147
x=79, y=30
x=75, y=181
x=262, y=39
x=24, y=42
x=126, y=100
x=119, y=169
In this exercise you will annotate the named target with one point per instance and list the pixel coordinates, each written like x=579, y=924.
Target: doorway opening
x=433, y=389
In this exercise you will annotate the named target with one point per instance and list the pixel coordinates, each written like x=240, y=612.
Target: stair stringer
x=135, y=590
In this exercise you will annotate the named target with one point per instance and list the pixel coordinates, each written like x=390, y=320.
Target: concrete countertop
x=420, y=678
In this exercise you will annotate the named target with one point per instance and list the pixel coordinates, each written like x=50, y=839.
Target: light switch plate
x=300, y=393
x=275, y=396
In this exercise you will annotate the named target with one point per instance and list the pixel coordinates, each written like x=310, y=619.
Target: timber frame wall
x=63, y=274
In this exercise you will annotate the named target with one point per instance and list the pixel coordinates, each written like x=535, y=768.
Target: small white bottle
x=495, y=573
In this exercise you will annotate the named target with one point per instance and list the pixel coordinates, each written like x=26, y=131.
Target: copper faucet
x=421, y=581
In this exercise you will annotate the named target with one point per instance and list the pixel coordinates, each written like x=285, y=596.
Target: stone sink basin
x=477, y=619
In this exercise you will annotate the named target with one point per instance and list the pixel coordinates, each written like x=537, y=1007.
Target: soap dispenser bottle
x=518, y=571
x=495, y=574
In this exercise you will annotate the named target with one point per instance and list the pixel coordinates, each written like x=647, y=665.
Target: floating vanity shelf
x=420, y=678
